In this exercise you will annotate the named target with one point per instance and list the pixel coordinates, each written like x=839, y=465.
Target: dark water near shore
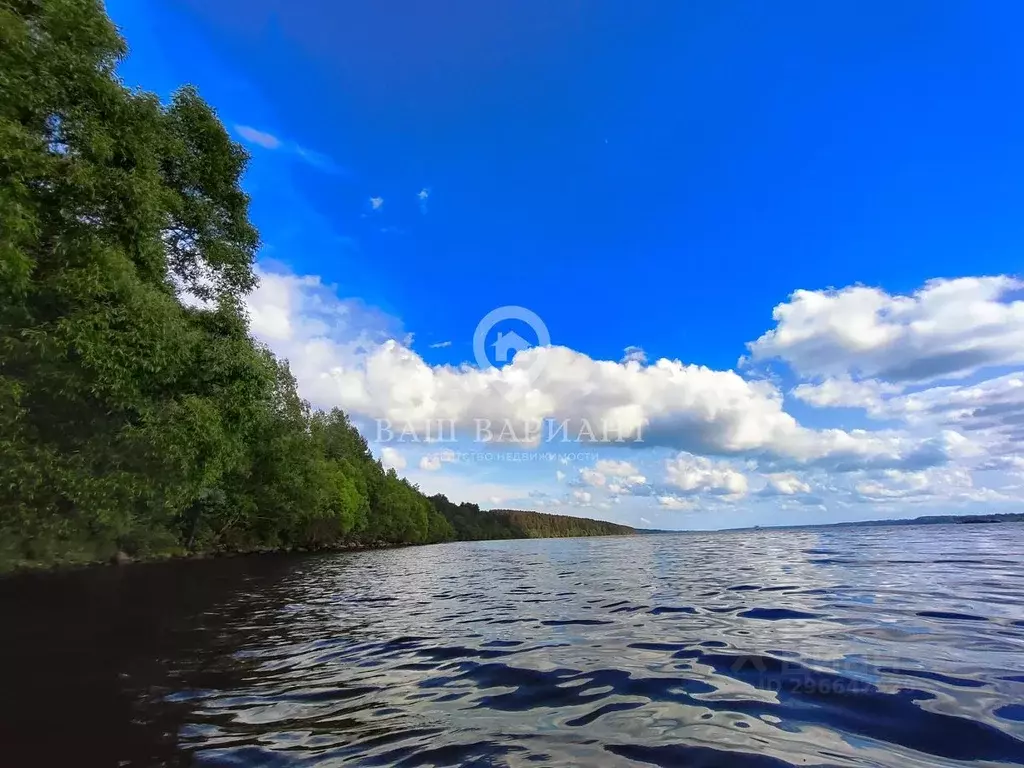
x=879, y=646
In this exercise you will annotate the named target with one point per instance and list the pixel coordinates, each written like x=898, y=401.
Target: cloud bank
x=912, y=366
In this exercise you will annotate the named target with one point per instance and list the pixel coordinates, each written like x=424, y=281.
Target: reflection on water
x=879, y=646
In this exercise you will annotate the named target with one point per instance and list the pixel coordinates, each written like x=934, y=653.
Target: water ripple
x=859, y=647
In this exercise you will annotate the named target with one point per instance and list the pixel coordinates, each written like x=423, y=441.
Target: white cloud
x=559, y=475
x=633, y=354
x=616, y=477
x=473, y=489
x=947, y=329
x=392, y=458
x=844, y=392
x=954, y=484
x=667, y=403
x=266, y=140
x=346, y=354
x=698, y=474
x=629, y=474
x=592, y=477
x=674, y=502
x=1013, y=463
x=432, y=462
x=302, y=320
x=990, y=411
x=253, y=136
x=784, y=484
x=441, y=345
x=995, y=405
x=376, y=203
x=582, y=498
x=317, y=159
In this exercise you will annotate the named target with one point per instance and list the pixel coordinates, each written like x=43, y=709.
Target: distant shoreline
x=121, y=560
x=1006, y=517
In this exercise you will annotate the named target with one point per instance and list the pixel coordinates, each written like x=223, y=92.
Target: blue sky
x=663, y=177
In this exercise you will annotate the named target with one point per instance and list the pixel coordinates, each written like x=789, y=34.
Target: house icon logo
x=507, y=345
x=508, y=342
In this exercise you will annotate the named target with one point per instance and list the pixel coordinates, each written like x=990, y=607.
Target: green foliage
x=129, y=420
x=470, y=523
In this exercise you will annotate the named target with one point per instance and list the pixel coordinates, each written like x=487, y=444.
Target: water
x=880, y=646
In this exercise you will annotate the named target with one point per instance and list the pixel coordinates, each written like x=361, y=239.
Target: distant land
x=470, y=523
x=1011, y=517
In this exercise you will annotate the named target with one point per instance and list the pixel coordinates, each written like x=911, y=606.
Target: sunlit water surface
x=899, y=646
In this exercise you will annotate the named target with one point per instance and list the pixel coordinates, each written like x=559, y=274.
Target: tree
x=136, y=411
x=122, y=408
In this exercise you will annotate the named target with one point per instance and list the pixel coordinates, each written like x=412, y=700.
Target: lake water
x=899, y=646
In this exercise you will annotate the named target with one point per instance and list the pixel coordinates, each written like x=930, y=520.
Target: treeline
x=1003, y=517
x=130, y=421
x=473, y=524
x=1009, y=517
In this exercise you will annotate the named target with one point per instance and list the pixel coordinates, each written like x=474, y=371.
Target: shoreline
x=122, y=560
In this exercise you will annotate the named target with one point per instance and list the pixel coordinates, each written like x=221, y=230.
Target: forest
x=473, y=524
x=131, y=422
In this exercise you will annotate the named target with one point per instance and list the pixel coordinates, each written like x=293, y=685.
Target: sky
x=770, y=252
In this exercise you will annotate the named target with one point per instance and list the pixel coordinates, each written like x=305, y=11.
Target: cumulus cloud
x=304, y=321
x=990, y=411
x=784, y=484
x=698, y=474
x=951, y=484
x=1012, y=463
x=621, y=469
x=343, y=354
x=260, y=138
x=621, y=474
x=947, y=329
x=674, y=502
x=668, y=403
x=633, y=354
x=432, y=462
x=988, y=404
x=844, y=392
x=726, y=430
x=392, y=458
x=617, y=477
